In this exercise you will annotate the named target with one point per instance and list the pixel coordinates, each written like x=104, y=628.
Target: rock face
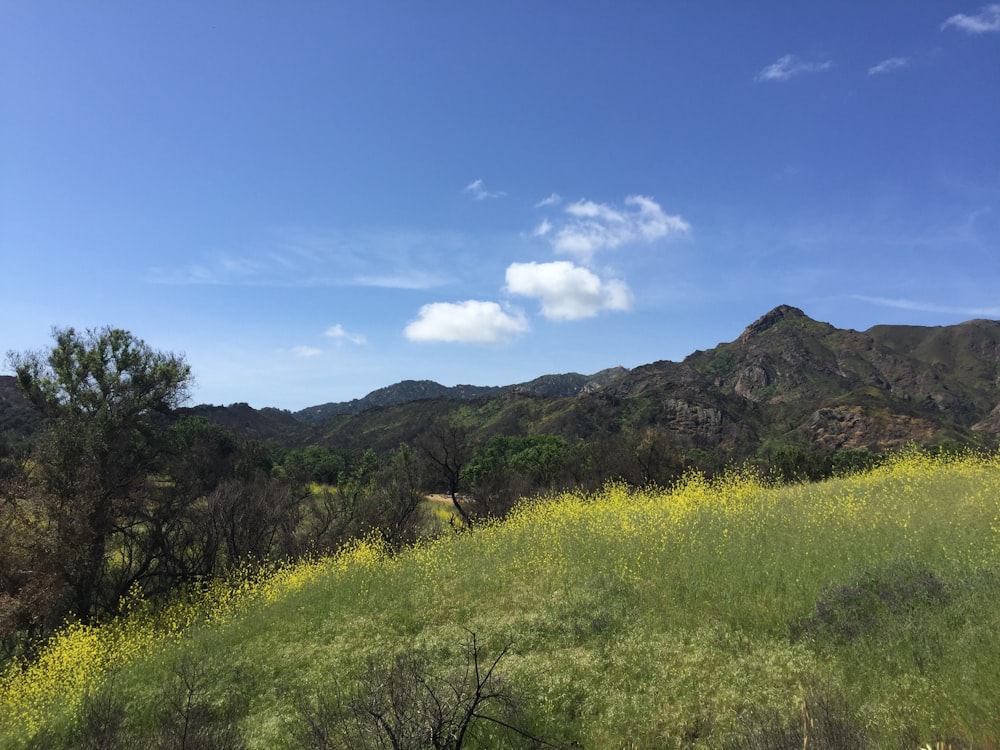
x=852, y=428
x=693, y=419
x=991, y=424
x=753, y=379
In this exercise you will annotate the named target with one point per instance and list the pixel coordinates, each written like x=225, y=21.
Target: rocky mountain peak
x=769, y=319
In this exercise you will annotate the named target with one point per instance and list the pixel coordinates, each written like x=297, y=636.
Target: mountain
x=550, y=386
x=787, y=380
x=847, y=389
x=267, y=424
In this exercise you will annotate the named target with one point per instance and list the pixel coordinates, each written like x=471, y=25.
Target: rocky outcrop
x=769, y=320
x=854, y=428
x=751, y=382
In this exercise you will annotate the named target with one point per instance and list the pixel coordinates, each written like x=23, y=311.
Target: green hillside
x=859, y=612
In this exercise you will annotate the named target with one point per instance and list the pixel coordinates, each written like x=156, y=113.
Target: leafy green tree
x=313, y=463
x=846, y=462
x=202, y=454
x=792, y=462
x=508, y=467
x=105, y=395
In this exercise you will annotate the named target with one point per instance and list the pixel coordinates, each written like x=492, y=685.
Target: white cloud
x=889, y=65
x=306, y=351
x=477, y=189
x=591, y=210
x=988, y=19
x=553, y=200
x=931, y=307
x=789, y=66
x=472, y=321
x=542, y=229
x=339, y=334
x=567, y=291
x=596, y=226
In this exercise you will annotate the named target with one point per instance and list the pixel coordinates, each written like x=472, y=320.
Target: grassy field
x=858, y=612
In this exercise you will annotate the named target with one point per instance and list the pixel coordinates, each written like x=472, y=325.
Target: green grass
x=695, y=617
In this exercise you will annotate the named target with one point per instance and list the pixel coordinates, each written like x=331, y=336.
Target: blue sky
x=313, y=200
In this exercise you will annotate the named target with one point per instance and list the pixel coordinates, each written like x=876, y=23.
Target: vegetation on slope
x=859, y=612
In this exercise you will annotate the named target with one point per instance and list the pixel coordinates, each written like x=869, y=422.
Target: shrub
x=894, y=593
x=823, y=723
x=411, y=706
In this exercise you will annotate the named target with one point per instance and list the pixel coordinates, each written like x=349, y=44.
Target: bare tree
x=447, y=448
x=408, y=706
x=254, y=519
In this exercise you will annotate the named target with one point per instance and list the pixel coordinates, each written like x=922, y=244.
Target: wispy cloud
x=931, y=307
x=471, y=321
x=986, y=20
x=477, y=189
x=223, y=269
x=339, y=334
x=196, y=273
x=336, y=332
x=888, y=65
x=553, y=200
x=790, y=66
x=397, y=259
x=411, y=279
x=590, y=227
x=567, y=291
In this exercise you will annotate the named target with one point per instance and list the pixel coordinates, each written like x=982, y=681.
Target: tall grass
x=689, y=617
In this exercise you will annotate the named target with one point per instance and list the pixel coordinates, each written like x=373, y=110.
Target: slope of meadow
x=861, y=611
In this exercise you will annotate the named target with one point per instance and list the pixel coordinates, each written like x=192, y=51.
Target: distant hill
x=549, y=386
x=266, y=424
x=787, y=380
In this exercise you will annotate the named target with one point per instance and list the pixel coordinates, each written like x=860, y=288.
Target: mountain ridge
x=786, y=380
x=551, y=386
